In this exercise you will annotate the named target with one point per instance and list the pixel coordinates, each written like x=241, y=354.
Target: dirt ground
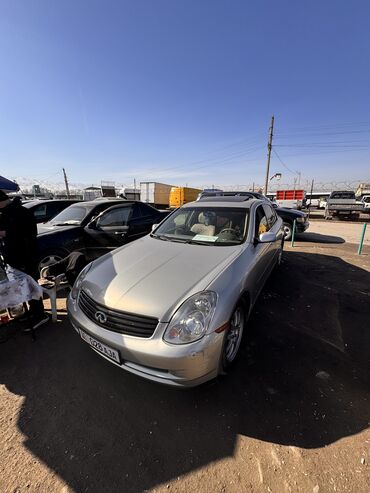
x=292, y=416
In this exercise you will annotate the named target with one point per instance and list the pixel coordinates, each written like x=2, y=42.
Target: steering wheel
x=229, y=230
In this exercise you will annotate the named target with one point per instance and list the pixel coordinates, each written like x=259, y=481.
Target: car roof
x=90, y=204
x=224, y=201
x=30, y=203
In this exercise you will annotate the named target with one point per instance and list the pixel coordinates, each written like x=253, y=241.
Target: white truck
x=154, y=193
x=343, y=204
x=366, y=204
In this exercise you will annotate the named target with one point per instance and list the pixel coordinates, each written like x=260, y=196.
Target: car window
x=55, y=207
x=116, y=217
x=135, y=212
x=211, y=226
x=270, y=214
x=40, y=211
x=73, y=215
x=261, y=223
x=145, y=210
x=342, y=195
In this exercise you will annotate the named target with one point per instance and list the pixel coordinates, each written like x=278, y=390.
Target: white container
x=155, y=193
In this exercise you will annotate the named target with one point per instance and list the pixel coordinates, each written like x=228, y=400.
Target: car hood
x=291, y=211
x=49, y=228
x=153, y=277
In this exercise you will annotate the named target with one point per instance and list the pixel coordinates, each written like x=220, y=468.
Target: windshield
x=74, y=214
x=343, y=195
x=212, y=226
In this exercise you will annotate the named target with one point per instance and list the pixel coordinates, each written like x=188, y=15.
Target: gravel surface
x=292, y=416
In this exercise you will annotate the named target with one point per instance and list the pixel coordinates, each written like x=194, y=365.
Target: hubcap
x=234, y=335
x=287, y=231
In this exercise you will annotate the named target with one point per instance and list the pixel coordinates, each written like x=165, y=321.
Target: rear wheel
x=288, y=230
x=233, y=336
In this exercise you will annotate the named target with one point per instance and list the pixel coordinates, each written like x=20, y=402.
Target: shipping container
x=182, y=195
x=155, y=193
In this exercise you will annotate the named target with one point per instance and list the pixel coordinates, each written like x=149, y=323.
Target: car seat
x=203, y=227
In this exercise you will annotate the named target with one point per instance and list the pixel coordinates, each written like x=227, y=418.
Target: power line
x=281, y=161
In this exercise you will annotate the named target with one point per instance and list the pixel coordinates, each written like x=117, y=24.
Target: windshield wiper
x=168, y=238
x=160, y=237
x=200, y=242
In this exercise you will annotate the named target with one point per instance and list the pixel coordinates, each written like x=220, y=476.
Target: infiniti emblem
x=100, y=317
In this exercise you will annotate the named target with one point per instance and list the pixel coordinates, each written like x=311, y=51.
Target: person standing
x=18, y=233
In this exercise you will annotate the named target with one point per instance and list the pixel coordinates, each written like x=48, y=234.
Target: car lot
x=292, y=416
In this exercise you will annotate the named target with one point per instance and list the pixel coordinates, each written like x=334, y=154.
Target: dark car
x=287, y=215
x=44, y=210
x=95, y=228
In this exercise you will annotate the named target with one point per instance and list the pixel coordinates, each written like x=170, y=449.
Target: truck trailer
x=182, y=195
x=154, y=193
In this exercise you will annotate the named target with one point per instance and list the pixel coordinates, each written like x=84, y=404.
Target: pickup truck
x=343, y=204
x=366, y=204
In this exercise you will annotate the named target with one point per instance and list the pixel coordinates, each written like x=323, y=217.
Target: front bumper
x=185, y=365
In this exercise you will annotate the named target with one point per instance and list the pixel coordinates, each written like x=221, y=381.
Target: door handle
x=120, y=233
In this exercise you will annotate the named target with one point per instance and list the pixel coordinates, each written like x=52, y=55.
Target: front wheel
x=288, y=230
x=233, y=337
x=50, y=258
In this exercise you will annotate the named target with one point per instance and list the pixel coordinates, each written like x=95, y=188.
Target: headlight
x=80, y=278
x=192, y=319
x=301, y=219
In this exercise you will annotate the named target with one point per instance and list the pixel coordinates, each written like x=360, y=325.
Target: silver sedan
x=172, y=307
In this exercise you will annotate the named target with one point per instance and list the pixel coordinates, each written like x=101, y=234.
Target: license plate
x=109, y=352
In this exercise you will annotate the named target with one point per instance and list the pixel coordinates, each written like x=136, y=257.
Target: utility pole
x=269, y=147
x=309, y=207
x=66, y=182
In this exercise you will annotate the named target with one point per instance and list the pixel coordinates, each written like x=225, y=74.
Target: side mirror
x=154, y=226
x=267, y=237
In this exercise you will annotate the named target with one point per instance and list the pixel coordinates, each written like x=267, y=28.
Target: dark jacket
x=19, y=246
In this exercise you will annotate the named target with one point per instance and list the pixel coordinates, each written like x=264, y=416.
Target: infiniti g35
x=172, y=306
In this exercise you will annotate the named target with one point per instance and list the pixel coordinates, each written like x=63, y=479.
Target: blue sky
x=182, y=91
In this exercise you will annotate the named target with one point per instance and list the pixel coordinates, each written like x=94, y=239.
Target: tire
x=288, y=231
x=50, y=257
x=233, y=336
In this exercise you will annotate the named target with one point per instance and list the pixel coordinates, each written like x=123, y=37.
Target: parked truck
x=343, y=204
x=366, y=204
x=181, y=195
x=154, y=193
x=291, y=199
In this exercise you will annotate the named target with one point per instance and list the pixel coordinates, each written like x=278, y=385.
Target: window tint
x=342, y=195
x=261, y=224
x=136, y=212
x=55, y=207
x=270, y=214
x=117, y=217
x=40, y=211
x=145, y=210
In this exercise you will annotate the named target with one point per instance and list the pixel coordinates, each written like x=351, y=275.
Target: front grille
x=117, y=321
